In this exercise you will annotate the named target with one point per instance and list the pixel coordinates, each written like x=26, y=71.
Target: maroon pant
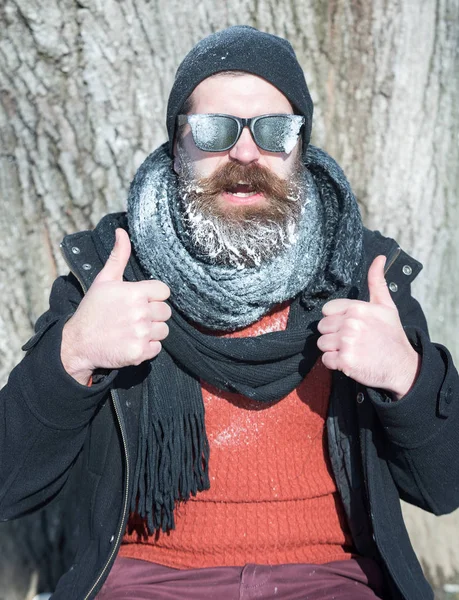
x=353, y=579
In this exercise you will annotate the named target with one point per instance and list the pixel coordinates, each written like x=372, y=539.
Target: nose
x=245, y=151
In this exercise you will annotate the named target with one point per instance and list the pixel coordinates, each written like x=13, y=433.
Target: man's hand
x=117, y=323
x=366, y=340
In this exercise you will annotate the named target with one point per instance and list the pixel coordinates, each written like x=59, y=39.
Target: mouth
x=243, y=193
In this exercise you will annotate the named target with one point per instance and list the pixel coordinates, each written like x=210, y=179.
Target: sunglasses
x=217, y=133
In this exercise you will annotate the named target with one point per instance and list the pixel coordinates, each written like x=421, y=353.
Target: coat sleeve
x=421, y=430
x=44, y=413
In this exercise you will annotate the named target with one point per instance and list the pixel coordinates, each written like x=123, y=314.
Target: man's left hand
x=366, y=340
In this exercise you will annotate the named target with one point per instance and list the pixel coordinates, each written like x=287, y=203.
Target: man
x=257, y=444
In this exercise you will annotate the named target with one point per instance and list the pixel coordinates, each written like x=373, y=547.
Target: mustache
x=259, y=179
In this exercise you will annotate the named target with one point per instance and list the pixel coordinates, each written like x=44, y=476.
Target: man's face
x=247, y=197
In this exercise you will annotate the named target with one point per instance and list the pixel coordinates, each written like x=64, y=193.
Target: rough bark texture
x=83, y=87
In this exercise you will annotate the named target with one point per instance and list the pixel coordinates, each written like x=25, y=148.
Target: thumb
x=114, y=267
x=379, y=292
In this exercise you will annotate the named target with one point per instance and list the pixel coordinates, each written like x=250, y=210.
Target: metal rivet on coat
x=111, y=539
x=360, y=397
x=407, y=270
x=87, y=267
x=76, y=250
x=393, y=286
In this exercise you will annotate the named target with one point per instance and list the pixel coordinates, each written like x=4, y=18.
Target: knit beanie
x=242, y=48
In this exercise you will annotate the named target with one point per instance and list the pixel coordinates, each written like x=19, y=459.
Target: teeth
x=243, y=194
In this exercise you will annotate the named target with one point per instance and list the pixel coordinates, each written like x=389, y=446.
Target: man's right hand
x=117, y=323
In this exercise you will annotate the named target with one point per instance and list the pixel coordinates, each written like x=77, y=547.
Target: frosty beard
x=240, y=236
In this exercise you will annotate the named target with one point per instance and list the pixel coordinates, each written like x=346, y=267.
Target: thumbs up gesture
x=366, y=340
x=117, y=323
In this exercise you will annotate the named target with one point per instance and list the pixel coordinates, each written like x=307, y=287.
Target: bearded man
x=258, y=444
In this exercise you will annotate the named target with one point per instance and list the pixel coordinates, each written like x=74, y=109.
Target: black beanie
x=242, y=48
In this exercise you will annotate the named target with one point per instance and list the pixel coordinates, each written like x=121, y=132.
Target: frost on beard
x=238, y=243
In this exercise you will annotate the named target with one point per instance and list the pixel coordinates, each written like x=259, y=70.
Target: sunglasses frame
x=241, y=123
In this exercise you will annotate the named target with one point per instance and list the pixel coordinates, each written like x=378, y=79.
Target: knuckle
x=356, y=311
x=321, y=326
x=326, y=357
x=135, y=353
x=155, y=349
x=136, y=294
x=140, y=330
x=161, y=311
x=168, y=311
x=329, y=360
x=348, y=342
x=346, y=360
x=353, y=324
x=160, y=331
x=160, y=289
x=138, y=315
x=325, y=308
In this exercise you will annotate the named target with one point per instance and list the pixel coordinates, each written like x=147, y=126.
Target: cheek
x=282, y=165
x=205, y=166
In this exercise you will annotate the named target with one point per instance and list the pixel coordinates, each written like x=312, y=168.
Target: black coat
x=62, y=439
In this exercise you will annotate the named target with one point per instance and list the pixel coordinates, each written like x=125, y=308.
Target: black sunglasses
x=217, y=133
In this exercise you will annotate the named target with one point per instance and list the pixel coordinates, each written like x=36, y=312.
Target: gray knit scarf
x=226, y=298
x=326, y=262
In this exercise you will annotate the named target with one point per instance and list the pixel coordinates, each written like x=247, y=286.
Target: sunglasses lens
x=278, y=133
x=213, y=133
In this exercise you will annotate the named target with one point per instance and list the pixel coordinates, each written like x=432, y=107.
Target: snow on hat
x=242, y=48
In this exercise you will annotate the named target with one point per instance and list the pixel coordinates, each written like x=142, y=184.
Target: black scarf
x=173, y=451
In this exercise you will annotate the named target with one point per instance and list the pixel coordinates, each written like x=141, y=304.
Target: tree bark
x=83, y=90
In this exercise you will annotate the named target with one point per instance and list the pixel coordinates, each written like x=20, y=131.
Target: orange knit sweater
x=272, y=497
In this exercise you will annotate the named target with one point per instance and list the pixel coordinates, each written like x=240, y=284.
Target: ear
x=177, y=165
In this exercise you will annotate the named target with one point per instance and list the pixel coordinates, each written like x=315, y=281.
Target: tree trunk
x=83, y=89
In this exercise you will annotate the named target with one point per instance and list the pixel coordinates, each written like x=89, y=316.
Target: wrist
x=75, y=365
x=409, y=373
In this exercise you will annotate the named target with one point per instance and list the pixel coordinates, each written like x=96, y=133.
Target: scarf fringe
x=172, y=461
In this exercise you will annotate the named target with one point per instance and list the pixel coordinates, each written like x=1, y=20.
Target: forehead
x=242, y=95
